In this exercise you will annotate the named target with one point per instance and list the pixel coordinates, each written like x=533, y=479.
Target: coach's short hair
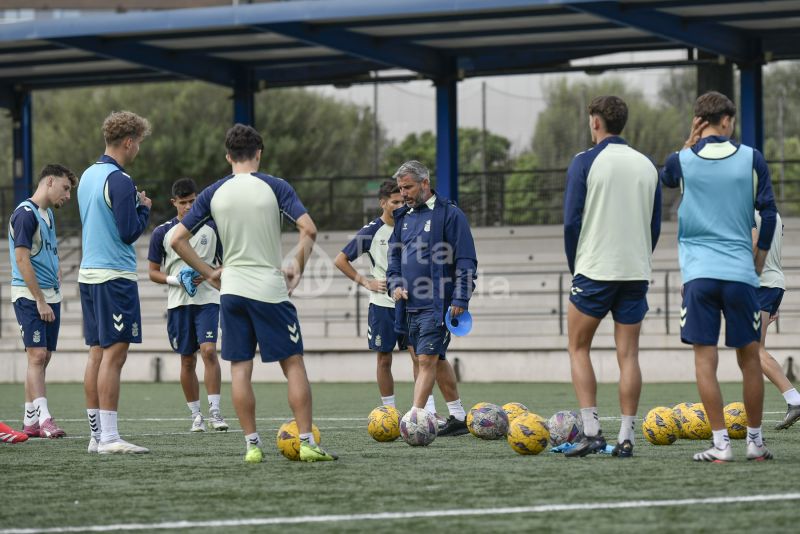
x=712, y=106
x=242, y=142
x=414, y=169
x=59, y=171
x=183, y=187
x=388, y=188
x=612, y=110
x=120, y=125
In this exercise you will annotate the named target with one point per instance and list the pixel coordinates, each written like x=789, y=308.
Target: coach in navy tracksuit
x=432, y=268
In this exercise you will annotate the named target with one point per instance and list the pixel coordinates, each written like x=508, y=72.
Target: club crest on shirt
x=203, y=240
x=135, y=329
x=427, y=225
x=37, y=336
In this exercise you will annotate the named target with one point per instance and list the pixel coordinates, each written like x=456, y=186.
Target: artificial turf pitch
x=202, y=478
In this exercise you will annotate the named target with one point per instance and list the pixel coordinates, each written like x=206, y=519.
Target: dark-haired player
x=35, y=281
x=722, y=182
x=612, y=220
x=192, y=321
x=373, y=240
x=247, y=207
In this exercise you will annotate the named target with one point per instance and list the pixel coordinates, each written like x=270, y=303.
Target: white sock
x=108, y=426
x=253, y=439
x=41, y=408
x=194, y=406
x=430, y=406
x=94, y=422
x=626, y=428
x=309, y=438
x=31, y=416
x=754, y=434
x=456, y=409
x=591, y=422
x=792, y=396
x=721, y=439
x=388, y=401
x=213, y=403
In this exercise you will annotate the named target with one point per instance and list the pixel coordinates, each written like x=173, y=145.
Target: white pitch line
x=538, y=509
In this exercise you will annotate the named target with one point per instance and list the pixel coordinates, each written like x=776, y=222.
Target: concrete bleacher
x=519, y=309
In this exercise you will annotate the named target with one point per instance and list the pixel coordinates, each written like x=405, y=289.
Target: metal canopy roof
x=306, y=42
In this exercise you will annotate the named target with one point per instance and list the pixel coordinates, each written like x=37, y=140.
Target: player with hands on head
x=722, y=182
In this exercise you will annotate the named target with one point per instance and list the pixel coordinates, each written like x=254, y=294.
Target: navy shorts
x=36, y=332
x=111, y=312
x=245, y=322
x=705, y=298
x=190, y=326
x=427, y=333
x=769, y=299
x=380, y=330
x=626, y=300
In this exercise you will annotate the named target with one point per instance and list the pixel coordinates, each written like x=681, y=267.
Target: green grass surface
x=199, y=477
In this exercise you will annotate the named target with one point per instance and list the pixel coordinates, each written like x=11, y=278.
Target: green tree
x=480, y=193
x=305, y=134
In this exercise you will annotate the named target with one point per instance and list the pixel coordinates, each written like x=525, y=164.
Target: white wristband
x=173, y=281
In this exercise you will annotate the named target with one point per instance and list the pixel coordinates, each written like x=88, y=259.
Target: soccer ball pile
x=418, y=427
x=384, y=423
x=565, y=427
x=661, y=426
x=288, y=439
x=487, y=421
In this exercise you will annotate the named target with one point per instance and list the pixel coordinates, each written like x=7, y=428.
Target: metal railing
x=502, y=197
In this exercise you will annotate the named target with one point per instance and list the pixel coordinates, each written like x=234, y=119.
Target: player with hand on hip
x=247, y=207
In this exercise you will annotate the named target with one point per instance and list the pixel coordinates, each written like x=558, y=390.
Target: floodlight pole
x=22, y=125
x=447, y=138
x=752, y=104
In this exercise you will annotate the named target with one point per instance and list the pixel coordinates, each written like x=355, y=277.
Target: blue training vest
x=44, y=260
x=715, y=218
x=102, y=246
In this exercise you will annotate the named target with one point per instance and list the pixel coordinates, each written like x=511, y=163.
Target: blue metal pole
x=752, y=104
x=244, y=107
x=22, y=125
x=447, y=138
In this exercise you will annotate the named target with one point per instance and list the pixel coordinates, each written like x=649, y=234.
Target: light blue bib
x=102, y=246
x=44, y=259
x=715, y=218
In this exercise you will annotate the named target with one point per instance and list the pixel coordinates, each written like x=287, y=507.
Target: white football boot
x=216, y=422
x=197, y=424
x=759, y=454
x=92, y=445
x=120, y=446
x=715, y=455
